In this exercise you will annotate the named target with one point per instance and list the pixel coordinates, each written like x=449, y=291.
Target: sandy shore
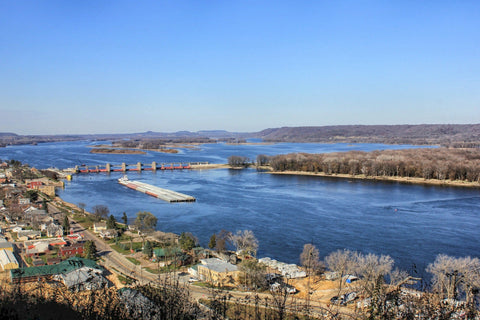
x=210, y=166
x=116, y=151
x=406, y=180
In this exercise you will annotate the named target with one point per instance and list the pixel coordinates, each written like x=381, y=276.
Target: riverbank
x=116, y=151
x=405, y=180
x=210, y=166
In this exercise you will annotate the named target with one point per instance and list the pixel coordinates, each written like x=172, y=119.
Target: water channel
x=411, y=223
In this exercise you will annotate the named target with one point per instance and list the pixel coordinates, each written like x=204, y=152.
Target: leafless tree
x=372, y=269
x=454, y=276
x=310, y=260
x=82, y=206
x=341, y=262
x=245, y=242
x=100, y=211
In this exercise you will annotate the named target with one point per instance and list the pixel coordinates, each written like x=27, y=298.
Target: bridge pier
x=108, y=167
x=139, y=166
x=124, y=167
x=154, y=166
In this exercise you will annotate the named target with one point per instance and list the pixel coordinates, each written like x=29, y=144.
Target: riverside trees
x=245, y=242
x=454, y=277
x=100, y=212
x=238, y=161
x=145, y=221
x=431, y=163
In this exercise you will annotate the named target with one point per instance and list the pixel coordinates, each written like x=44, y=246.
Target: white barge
x=164, y=194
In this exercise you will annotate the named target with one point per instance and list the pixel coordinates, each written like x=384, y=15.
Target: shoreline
x=404, y=180
x=209, y=166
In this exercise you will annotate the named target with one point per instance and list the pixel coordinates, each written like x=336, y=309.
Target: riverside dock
x=164, y=194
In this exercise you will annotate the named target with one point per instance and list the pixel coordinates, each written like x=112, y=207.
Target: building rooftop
x=218, y=265
x=63, y=267
x=5, y=245
x=6, y=257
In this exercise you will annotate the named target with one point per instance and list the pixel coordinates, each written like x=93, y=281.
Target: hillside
x=456, y=135
x=443, y=134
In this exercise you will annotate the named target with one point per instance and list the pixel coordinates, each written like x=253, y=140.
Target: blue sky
x=132, y=66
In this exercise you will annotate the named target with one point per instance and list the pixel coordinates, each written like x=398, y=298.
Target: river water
x=411, y=223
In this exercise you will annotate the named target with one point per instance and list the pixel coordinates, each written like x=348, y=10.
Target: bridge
x=123, y=167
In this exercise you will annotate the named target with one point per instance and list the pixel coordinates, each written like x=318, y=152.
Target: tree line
x=427, y=163
x=423, y=134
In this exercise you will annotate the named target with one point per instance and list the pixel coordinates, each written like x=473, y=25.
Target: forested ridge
x=457, y=135
x=428, y=163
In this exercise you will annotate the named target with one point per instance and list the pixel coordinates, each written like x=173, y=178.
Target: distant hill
x=445, y=134
x=457, y=135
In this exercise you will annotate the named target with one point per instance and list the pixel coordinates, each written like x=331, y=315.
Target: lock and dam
x=124, y=167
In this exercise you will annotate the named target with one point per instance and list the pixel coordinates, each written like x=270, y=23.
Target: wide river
x=411, y=223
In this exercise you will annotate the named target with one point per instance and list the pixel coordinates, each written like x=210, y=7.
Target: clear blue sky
x=131, y=66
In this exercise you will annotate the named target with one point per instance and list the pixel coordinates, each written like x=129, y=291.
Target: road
x=114, y=261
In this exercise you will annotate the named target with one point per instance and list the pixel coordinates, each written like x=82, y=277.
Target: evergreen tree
x=125, y=219
x=147, y=249
x=187, y=241
x=111, y=222
x=89, y=249
x=66, y=225
x=213, y=241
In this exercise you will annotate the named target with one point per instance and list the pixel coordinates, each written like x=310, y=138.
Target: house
x=71, y=250
x=108, y=234
x=47, y=272
x=54, y=230
x=8, y=260
x=28, y=234
x=218, y=272
x=75, y=236
x=44, y=185
x=34, y=211
x=5, y=245
x=99, y=227
x=290, y=271
x=166, y=253
x=23, y=201
x=16, y=229
x=37, y=248
x=84, y=278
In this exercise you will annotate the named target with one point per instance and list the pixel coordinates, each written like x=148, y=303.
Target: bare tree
x=145, y=221
x=100, y=212
x=222, y=239
x=373, y=269
x=454, y=276
x=341, y=262
x=245, y=242
x=238, y=161
x=82, y=206
x=262, y=160
x=310, y=260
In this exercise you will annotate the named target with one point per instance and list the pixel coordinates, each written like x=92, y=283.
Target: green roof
x=66, y=266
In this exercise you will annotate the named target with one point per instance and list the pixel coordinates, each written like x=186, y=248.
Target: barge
x=164, y=194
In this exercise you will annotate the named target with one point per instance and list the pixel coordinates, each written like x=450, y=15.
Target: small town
x=47, y=241
x=240, y=160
